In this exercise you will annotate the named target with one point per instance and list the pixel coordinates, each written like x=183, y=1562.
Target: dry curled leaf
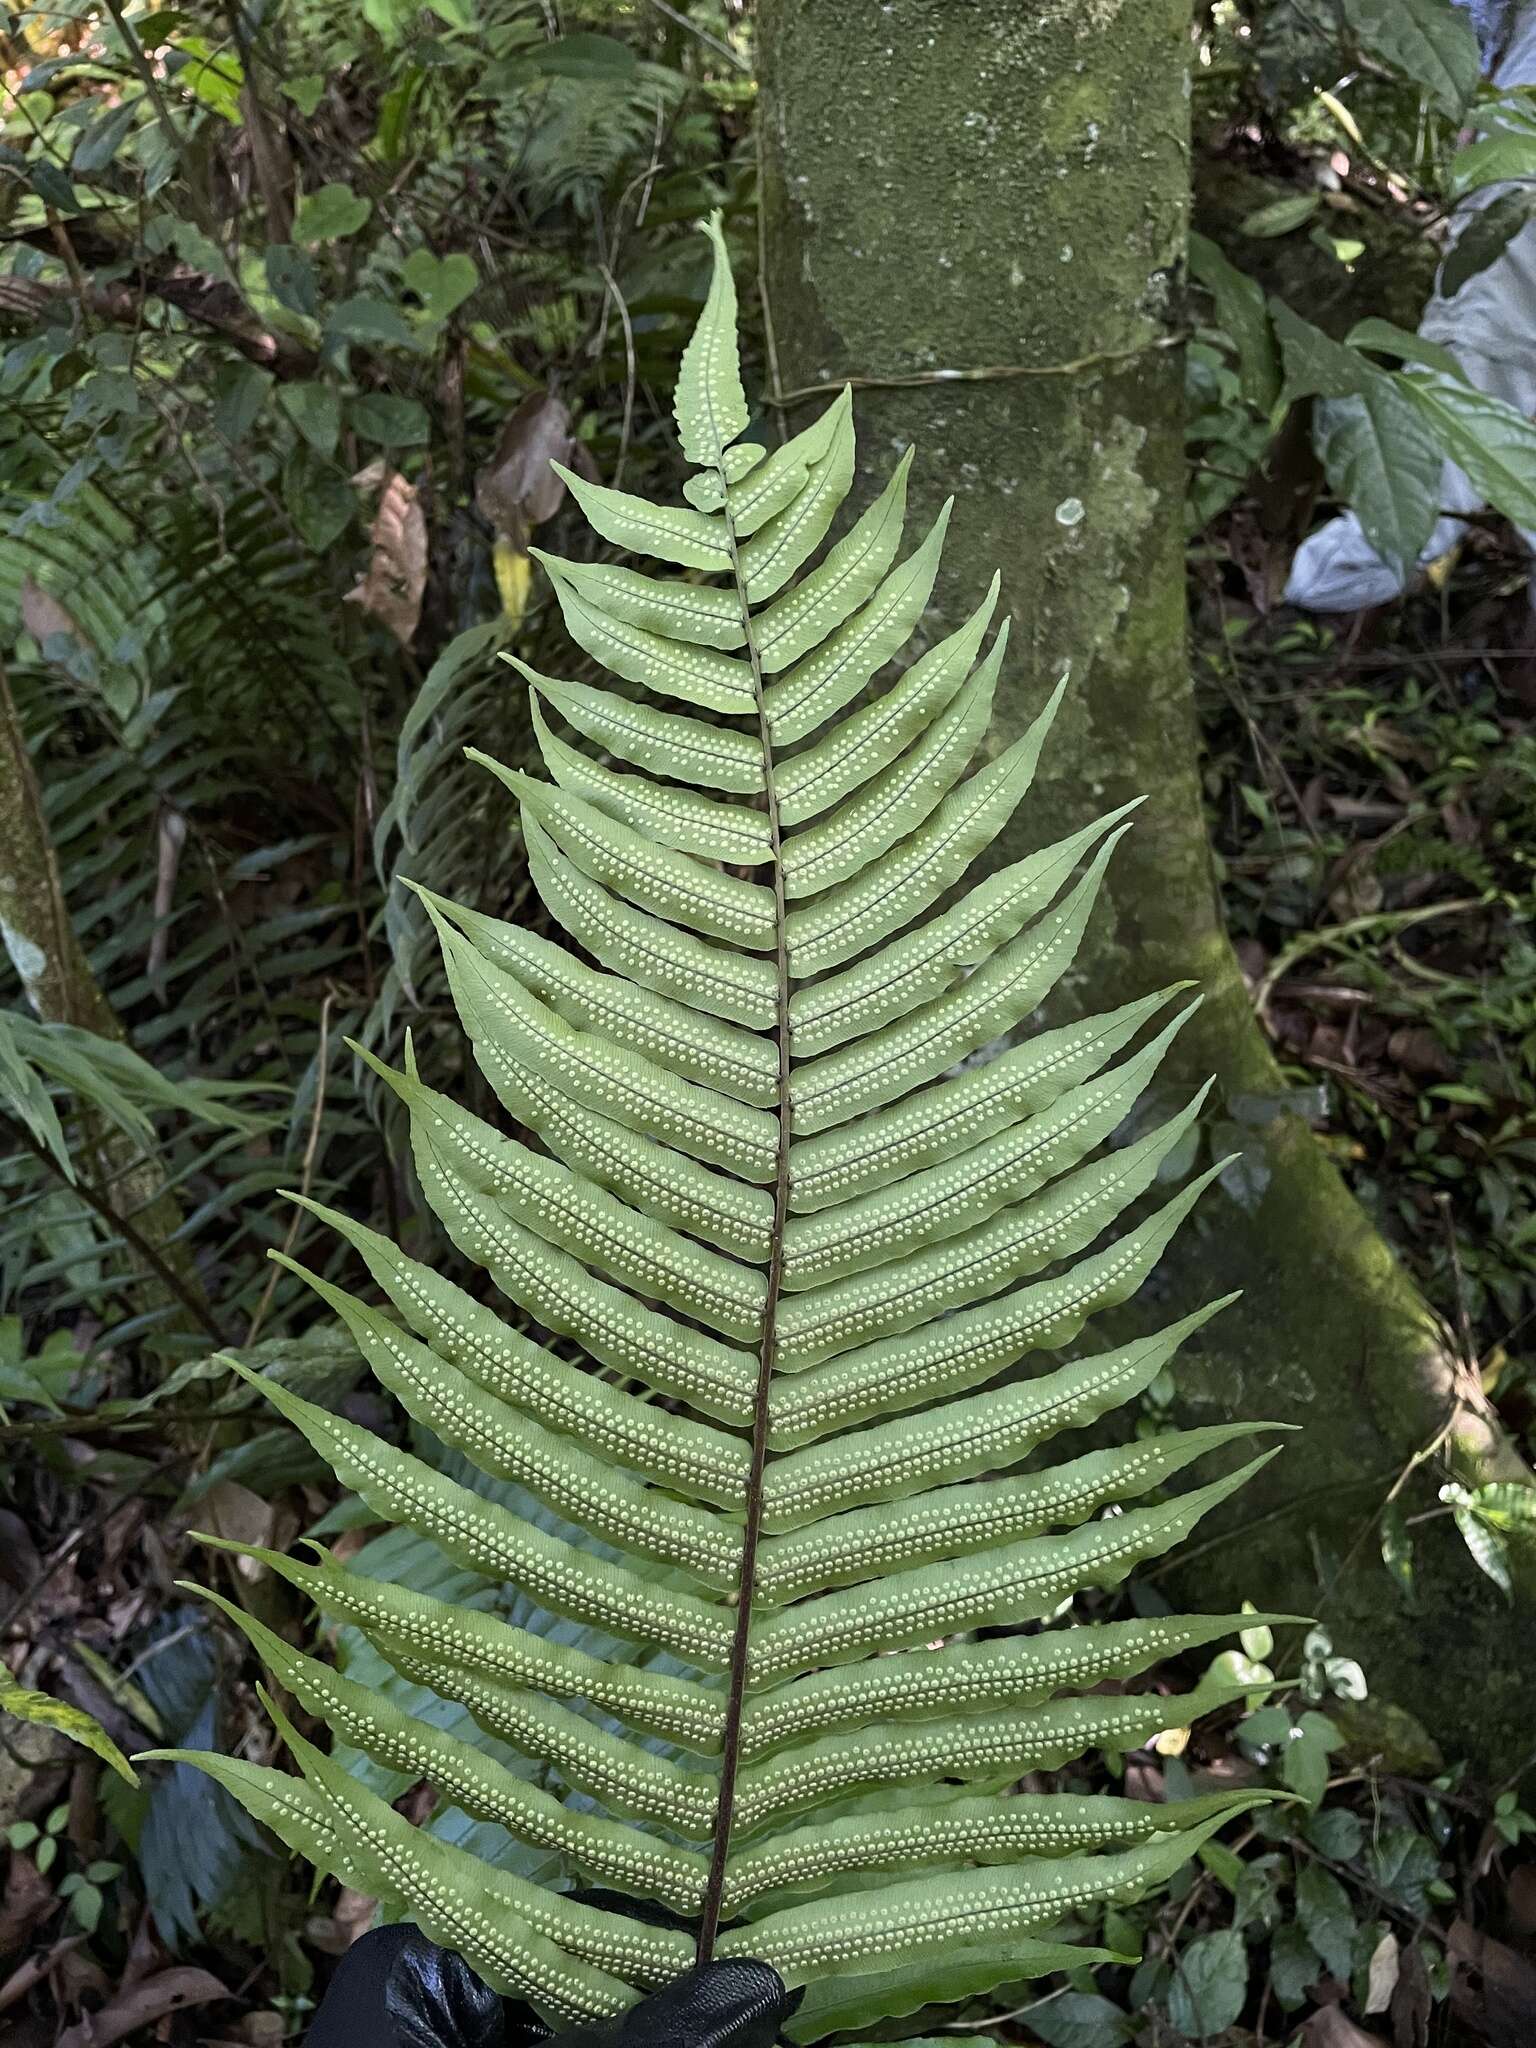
x=43, y=615
x=396, y=575
x=517, y=490
x=349, y=1919
x=171, y=837
x=167, y=1992
x=238, y=1515
x=40, y=1964
x=1382, y=1976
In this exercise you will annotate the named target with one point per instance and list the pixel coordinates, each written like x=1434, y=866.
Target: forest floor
x=1371, y=789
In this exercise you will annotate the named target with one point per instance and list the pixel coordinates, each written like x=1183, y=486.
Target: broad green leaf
x=834, y=2005
x=1486, y=236
x=387, y=421
x=1327, y=1918
x=318, y=497
x=211, y=72
x=1508, y=1505
x=1210, y=1984
x=330, y=214
x=1241, y=311
x=306, y=91
x=1081, y=2019
x=315, y=410
x=1382, y=337
x=104, y=136
x=292, y=279
x=240, y=392
x=1379, y=453
x=369, y=320
x=442, y=283
x=1506, y=153
x=1490, y=440
x=584, y=55
x=1428, y=42
x=1379, y=459
x=1281, y=216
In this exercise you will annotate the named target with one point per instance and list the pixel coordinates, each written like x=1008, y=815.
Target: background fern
x=235, y=761
x=795, y=1246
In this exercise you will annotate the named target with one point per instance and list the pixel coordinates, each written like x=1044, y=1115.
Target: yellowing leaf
x=44, y=1711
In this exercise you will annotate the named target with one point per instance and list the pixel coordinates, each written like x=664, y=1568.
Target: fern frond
x=774, y=1172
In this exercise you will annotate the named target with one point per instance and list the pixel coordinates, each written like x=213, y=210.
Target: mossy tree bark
x=987, y=187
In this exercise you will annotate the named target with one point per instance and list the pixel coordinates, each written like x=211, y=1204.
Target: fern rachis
x=801, y=1238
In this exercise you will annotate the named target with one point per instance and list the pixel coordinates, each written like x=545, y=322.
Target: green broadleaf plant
x=791, y=1224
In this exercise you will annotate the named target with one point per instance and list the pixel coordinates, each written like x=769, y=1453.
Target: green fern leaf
x=777, y=1212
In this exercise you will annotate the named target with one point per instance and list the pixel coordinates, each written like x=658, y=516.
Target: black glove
x=396, y=1989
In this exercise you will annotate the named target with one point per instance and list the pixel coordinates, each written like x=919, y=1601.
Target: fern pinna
x=792, y=1225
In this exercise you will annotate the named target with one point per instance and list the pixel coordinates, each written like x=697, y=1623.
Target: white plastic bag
x=1490, y=328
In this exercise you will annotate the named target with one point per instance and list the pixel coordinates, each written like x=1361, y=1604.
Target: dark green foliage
x=314, y=292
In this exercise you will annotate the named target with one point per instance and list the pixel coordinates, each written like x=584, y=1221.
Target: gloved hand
x=396, y=1989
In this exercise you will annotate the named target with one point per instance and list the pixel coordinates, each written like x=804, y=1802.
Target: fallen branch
x=199, y=298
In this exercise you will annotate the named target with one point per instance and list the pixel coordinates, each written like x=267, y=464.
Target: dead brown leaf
x=145, y=1954
x=1382, y=1976
x=1355, y=890
x=418, y=1803
x=1331, y=2027
x=1253, y=959
x=1412, y=2001
x=78, y=1977
x=43, y=615
x=353, y=1912
x=396, y=575
x=1493, y=1987
x=517, y=490
x=1418, y=1049
x=27, y=1901
x=261, y=2029
x=252, y=2030
x=167, y=1992
x=236, y=1513
x=36, y=1967
x=350, y=1918
x=1520, y=1892
x=1144, y=1781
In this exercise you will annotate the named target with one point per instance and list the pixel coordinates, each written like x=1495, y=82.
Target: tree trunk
x=57, y=981
x=985, y=188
